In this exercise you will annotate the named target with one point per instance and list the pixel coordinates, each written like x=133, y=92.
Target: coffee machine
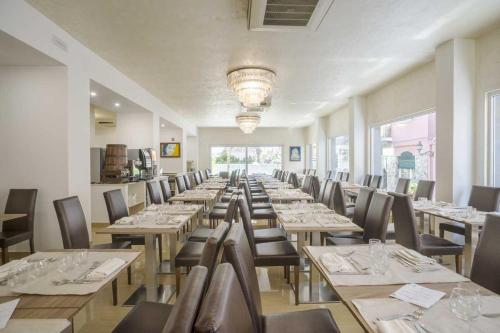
x=146, y=165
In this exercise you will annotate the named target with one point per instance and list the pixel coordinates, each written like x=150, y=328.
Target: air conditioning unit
x=106, y=122
x=286, y=15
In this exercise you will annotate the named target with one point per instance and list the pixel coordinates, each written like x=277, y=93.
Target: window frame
x=490, y=136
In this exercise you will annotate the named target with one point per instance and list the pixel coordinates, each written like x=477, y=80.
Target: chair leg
x=114, y=287
x=160, y=247
x=287, y=274
x=32, y=245
x=177, y=280
x=284, y=272
x=296, y=271
x=5, y=255
x=441, y=232
x=458, y=264
x=129, y=274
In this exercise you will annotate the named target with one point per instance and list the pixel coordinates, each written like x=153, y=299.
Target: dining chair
x=75, y=234
x=187, y=182
x=367, y=180
x=326, y=196
x=154, y=192
x=197, y=178
x=19, y=201
x=345, y=176
x=165, y=190
x=258, y=199
x=238, y=253
x=307, y=184
x=117, y=208
x=402, y=186
x=294, y=180
x=156, y=317
x=315, y=188
x=483, y=198
x=259, y=211
x=270, y=254
x=376, y=181
x=207, y=173
x=220, y=213
x=485, y=269
x=198, y=253
x=328, y=174
x=181, y=185
x=377, y=218
x=338, y=200
x=202, y=232
x=425, y=189
x=405, y=225
x=338, y=176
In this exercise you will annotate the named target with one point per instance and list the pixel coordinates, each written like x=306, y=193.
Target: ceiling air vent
x=286, y=15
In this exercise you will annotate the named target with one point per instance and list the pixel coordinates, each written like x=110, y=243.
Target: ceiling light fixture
x=252, y=85
x=117, y=104
x=93, y=94
x=248, y=122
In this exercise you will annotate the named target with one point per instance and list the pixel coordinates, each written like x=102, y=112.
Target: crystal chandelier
x=248, y=122
x=252, y=85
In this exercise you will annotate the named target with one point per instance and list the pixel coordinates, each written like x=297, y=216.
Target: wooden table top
x=7, y=217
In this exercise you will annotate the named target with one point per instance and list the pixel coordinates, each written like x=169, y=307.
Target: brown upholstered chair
x=181, y=185
x=197, y=253
x=483, y=198
x=367, y=180
x=207, y=173
x=270, y=254
x=239, y=254
x=376, y=181
x=402, y=186
x=197, y=178
x=315, y=187
x=338, y=200
x=377, y=218
x=165, y=190
x=294, y=180
x=201, y=233
x=154, y=192
x=19, y=201
x=75, y=234
x=486, y=266
x=117, y=208
x=151, y=317
x=326, y=197
x=187, y=182
x=345, y=176
x=306, y=186
x=425, y=189
x=405, y=225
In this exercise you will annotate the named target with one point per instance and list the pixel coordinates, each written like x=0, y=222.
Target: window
x=494, y=108
x=253, y=159
x=339, y=154
x=313, y=157
x=406, y=149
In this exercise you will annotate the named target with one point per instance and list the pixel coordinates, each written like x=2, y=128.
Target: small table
x=7, y=217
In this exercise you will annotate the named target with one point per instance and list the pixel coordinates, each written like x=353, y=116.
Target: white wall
x=338, y=122
x=285, y=137
x=172, y=165
x=192, y=150
x=34, y=145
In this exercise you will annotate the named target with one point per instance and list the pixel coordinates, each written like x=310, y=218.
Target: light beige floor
x=101, y=316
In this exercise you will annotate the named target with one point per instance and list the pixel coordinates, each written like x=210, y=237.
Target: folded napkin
x=414, y=257
x=335, y=263
x=394, y=326
x=127, y=220
x=106, y=269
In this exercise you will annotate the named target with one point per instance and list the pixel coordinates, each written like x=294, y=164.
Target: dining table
x=162, y=219
x=369, y=296
x=207, y=198
x=288, y=195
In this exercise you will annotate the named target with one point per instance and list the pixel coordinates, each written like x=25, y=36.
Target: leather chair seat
x=200, y=234
x=114, y=245
x=349, y=212
x=263, y=214
x=189, y=255
x=262, y=205
x=316, y=320
x=221, y=205
x=260, y=198
x=218, y=213
x=432, y=245
x=145, y=317
x=276, y=254
x=453, y=227
x=269, y=235
x=134, y=239
x=344, y=241
x=8, y=238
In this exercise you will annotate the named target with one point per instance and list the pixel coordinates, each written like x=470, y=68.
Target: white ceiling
x=106, y=98
x=181, y=50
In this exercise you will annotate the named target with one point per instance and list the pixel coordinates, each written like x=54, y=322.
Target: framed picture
x=170, y=149
x=295, y=154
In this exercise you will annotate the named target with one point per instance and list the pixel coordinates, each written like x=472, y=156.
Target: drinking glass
x=82, y=257
x=375, y=245
x=471, y=212
x=465, y=304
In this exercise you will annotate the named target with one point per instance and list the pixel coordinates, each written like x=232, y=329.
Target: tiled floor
x=101, y=316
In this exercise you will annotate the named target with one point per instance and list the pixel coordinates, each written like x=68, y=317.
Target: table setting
x=288, y=195
x=152, y=219
x=451, y=211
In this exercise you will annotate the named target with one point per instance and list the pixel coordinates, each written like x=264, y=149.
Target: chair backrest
x=405, y=224
x=246, y=220
x=377, y=217
x=21, y=201
x=187, y=182
x=210, y=253
x=484, y=198
x=367, y=180
x=72, y=223
x=402, y=185
x=198, y=178
x=206, y=173
x=486, y=266
x=248, y=195
x=165, y=189
x=232, y=208
x=304, y=171
x=181, y=185
x=425, y=189
x=307, y=184
x=224, y=308
x=183, y=315
x=327, y=197
x=116, y=205
x=345, y=176
x=312, y=172
x=338, y=199
x=322, y=190
x=154, y=192
x=278, y=175
x=376, y=181
x=292, y=179
x=315, y=188
x=362, y=204
x=238, y=253
x=328, y=174
x=338, y=176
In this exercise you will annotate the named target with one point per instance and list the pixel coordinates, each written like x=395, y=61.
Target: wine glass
x=465, y=304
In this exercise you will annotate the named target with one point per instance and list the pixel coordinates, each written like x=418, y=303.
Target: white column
x=455, y=72
x=357, y=139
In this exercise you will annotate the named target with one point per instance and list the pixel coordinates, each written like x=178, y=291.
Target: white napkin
x=394, y=326
x=10, y=266
x=418, y=295
x=335, y=263
x=6, y=311
x=414, y=257
x=127, y=220
x=105, y=269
